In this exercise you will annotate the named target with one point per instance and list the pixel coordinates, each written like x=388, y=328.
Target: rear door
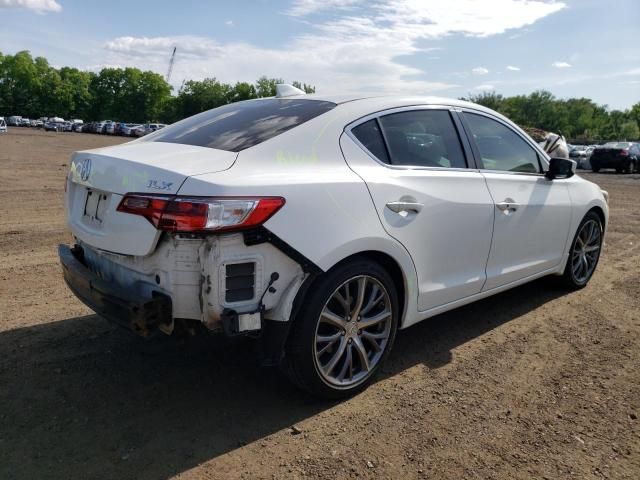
x=415, y=166
x=532, y=214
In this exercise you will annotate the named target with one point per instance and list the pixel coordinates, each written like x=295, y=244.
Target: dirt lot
x=532, y=383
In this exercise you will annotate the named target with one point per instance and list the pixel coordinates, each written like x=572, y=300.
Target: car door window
x=369, y=135
x=422, y=138
x=500, y=147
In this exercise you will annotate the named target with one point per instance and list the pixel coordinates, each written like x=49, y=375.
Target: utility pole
x=173, y=57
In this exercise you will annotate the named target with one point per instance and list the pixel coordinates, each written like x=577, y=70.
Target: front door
x=532, y=213
x=427, y=198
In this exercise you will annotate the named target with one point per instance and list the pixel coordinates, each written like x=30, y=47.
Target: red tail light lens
x=201, y=214
x=624, y=153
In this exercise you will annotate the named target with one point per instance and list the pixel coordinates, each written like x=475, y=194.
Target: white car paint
x=441, y=278
x=146, y=167
x=458, y=249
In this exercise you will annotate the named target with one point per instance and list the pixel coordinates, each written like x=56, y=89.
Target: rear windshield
x=617, y=145
x=241, y=125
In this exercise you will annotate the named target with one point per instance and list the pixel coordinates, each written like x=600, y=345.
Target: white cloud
x=353, y=50
x=300, y=8
x=484, y=87
x=229, y=23
x=561, y=65
x=479, y=71
x=511, y=68
x=38, y=6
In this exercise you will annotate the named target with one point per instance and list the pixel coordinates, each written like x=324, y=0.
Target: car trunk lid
x=608, y=153
x=98, y=179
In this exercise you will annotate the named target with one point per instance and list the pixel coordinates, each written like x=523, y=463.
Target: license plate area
x=95, y=206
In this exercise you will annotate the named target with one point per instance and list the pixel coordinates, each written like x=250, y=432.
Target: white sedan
x=321, y=225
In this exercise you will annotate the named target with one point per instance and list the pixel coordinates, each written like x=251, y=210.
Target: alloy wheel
x=353, y=331
x=586, y=251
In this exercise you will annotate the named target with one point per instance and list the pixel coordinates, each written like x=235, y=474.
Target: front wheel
x=344, y=331
x=584, y=253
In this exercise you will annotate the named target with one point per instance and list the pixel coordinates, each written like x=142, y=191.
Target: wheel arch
x=600, y=212
x=404, y=281
x=393, y=268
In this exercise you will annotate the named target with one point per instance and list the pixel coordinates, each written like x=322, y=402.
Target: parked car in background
x=245, y=220
x=78, y=127
x=54, y=126
x=621, y=156
x=581, y=154
x=585, y=162
x=102, y=126
x=577, y=151
x=3, y=125
x=139, y=131
x=14, y=120
x=39, y=123
x=127, y=128
x=25, y=122
x=112, y=128
x=148, y=128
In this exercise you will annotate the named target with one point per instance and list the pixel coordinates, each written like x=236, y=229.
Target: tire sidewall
x=569, y=267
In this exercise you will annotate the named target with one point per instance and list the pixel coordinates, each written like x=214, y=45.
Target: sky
x=450, y=48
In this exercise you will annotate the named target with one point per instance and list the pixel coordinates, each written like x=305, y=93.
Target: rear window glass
x=241, y=125
x=369, y=135
x=617, y=145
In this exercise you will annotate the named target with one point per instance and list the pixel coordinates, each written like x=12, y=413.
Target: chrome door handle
x=399, y=207
x=507, y=206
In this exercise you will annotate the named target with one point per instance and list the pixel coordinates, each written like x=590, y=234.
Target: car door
x=427, y=198
x=532, y=213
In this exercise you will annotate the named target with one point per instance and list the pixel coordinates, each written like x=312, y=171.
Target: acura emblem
x=85, y=169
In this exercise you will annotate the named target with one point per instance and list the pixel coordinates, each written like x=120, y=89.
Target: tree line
x=580, y=120
x=31, y=87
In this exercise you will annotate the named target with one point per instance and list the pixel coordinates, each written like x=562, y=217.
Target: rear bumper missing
x=119, y=305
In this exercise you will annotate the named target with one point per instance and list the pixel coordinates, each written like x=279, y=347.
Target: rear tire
x=630, y=167
x=584, y=253
x=595, y=169
x=344, y=332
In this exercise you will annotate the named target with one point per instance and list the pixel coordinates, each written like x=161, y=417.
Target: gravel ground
x=531, y=383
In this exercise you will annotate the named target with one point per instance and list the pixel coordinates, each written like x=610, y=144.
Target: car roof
x=378, y=98
x=379, y=102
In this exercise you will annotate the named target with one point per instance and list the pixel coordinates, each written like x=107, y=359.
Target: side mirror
x=560, y=168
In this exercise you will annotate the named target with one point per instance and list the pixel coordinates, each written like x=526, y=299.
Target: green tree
x=629, y=130
x=266, y=87
x=491, y=100
x=198, y=96
x=304, y=87
x=242, y=91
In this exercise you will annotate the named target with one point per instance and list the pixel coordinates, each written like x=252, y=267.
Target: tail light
x=624, y=153
x=201, y=214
